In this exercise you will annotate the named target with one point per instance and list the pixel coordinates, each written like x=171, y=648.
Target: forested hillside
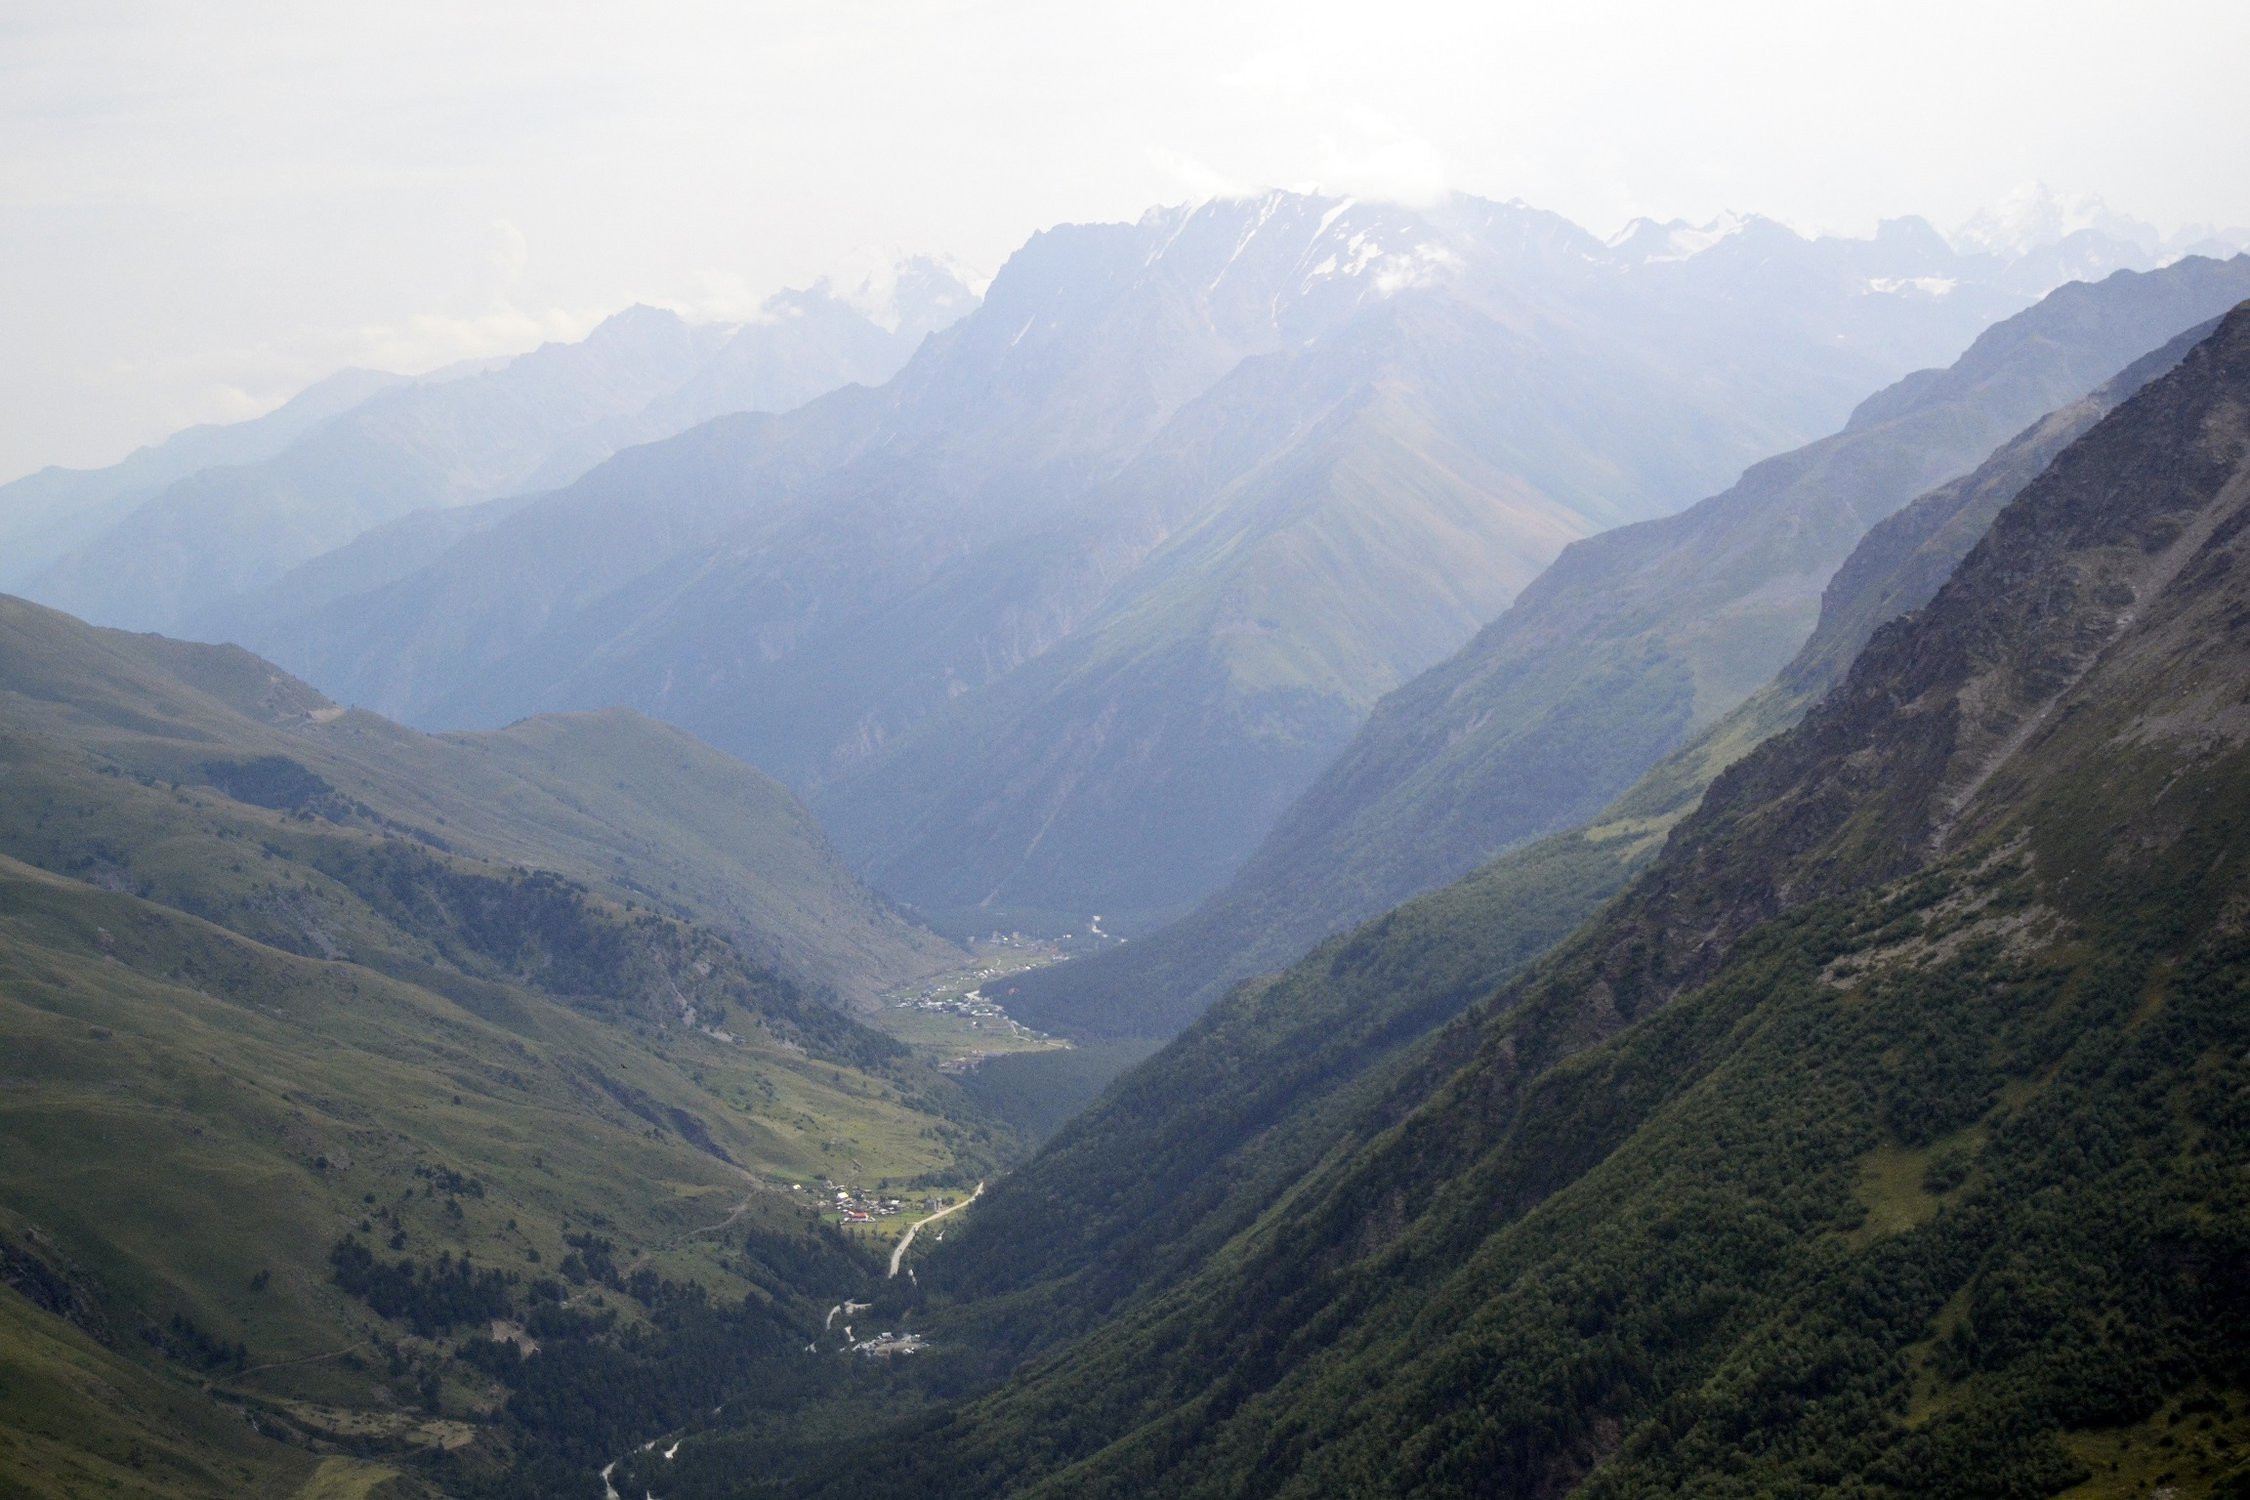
x=1190, y=1148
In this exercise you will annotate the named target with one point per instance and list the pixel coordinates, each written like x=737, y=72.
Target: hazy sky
x=203, y=206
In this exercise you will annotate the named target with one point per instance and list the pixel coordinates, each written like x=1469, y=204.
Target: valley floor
x=957, y=1019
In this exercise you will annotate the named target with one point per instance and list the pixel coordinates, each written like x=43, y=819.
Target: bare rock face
x=2107, y=594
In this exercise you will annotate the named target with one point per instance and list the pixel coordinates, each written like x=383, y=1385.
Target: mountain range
x=1707, y=774
x=1189, y=1149
x=1063, y=616
x=174, y=534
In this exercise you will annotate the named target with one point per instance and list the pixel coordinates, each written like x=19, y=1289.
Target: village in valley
x=846, y=1206
x=960, y=1019
x=884, y=1345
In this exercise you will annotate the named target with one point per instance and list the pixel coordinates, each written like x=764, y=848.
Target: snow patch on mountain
x=921, y=293
x=1924, y=286
x=1646, y=242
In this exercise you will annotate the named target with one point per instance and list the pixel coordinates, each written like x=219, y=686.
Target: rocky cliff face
x=2106, y=593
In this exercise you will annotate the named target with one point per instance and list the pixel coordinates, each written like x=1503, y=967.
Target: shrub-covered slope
x=1884, y=1139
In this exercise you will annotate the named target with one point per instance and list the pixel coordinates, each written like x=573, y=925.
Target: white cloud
x=1273, y=74
x=509, y=252
x=429, y=341
x=1373, y=158
x=1197, y=181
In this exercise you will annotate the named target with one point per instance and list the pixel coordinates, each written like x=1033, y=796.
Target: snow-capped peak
x=1299, y=242
x=2035, y=215
x=920, y=291
x=1646, y=242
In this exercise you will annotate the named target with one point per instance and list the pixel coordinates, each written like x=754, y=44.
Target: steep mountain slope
x=1884, y=1139
x=805, y=343
x=531, y=423
x=1629, y=645
x=286, y=992
x=1192, y=1147
x=704, y=831
x=379, y=555
x=1058, y=619
x=76, y=1417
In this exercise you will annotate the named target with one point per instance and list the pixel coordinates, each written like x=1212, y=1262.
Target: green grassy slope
x=635, y=808
x=77, y=1419
x=1885, y=1139
x=269, y=980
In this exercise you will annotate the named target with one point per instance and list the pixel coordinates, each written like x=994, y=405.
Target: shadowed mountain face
x=1632, y=644
x=1062, y=617
x=1884, y=1132
x=175, y=534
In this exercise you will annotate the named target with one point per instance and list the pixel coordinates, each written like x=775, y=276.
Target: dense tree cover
x=430, y=1298
x=609, y=1373
x=547, y=930
x=601, y=1385
x=273, y=781
x=1888, y=1234
x=186, y=1340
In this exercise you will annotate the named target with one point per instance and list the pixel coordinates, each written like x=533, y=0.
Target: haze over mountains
x=208, y=517
x=1680, y=803
x=1632, y=643
x=1061, y=618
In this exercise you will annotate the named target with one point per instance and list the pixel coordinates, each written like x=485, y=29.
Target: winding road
x=899, y=1255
